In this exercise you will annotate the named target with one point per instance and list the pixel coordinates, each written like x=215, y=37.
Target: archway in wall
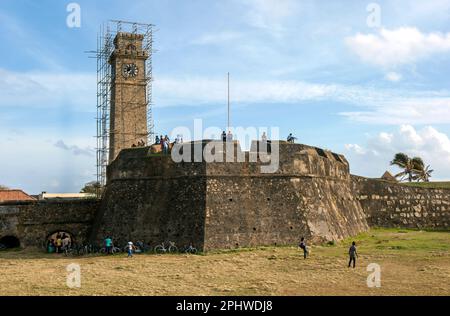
x=9, y=242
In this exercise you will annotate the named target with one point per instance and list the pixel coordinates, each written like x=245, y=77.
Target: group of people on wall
x=164, y=141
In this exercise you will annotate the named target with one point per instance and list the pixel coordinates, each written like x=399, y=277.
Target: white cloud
x=416, y=10
x=48, y=90
x=74, y=149
x=198, y=91
x=270, y=15
x=405, y=45
x=35, y=164
x=355, y=148
x=393, y=76
x=378, y=106
x=417, y=108
x=373, y=158
x=217, y=38
x=76, y=91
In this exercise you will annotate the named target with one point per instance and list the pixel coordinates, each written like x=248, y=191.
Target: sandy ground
x=412, y=263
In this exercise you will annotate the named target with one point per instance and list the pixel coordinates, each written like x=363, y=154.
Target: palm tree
x=411, y=166
x=424, y=174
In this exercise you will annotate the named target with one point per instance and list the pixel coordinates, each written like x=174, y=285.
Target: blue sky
x=317, y=69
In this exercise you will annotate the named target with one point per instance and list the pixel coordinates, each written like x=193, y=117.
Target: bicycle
x=191, y=250
x=166, y=248
x=112, y=251
x=69, y=251
x=141, y=247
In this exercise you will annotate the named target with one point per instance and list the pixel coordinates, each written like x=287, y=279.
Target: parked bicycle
x=113, y=250
x=141, y=247
x=166, y=248
x=190, y=249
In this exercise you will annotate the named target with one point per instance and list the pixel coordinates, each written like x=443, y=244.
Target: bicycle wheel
x=173, y=249
x=160, y=249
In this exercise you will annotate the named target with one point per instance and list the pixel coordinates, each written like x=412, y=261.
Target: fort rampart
x=212, y=205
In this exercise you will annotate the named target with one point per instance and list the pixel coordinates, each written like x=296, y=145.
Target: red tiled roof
x=14, y=195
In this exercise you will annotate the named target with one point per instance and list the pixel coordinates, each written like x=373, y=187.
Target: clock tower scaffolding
x=124, y=90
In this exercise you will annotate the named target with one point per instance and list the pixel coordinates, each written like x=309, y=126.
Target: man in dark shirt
x=303, y=246
x=353, y=254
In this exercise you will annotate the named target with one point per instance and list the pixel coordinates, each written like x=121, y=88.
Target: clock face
x=129, y=70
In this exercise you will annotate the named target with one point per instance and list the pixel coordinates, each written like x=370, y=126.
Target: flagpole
x=228, y=122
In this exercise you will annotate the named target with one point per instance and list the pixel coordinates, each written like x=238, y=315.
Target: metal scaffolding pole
x=105, y=47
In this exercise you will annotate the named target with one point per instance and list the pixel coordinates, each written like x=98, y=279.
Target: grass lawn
x=430, y=185
x=412, y=263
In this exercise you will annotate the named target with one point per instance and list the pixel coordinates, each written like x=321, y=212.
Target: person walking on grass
x=108, y=245
x=353, y=254
x=130, y=248
x=303, y=246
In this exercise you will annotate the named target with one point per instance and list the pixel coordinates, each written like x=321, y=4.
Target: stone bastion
x=230, y=202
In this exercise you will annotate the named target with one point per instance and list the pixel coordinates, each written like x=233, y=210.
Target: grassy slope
x=412, y=263
x=430, y=185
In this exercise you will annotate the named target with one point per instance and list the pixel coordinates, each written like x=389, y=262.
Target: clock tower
x=128, y=114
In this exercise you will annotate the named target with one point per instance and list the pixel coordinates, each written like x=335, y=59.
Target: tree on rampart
x=413, y=168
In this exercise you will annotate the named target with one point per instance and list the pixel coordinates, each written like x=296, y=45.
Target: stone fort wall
x=225, y=205
x=33, y=221
x=217, y=205
x=389, y=204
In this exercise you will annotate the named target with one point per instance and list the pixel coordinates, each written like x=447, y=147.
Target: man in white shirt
x=130, y=248
x=229, y=137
